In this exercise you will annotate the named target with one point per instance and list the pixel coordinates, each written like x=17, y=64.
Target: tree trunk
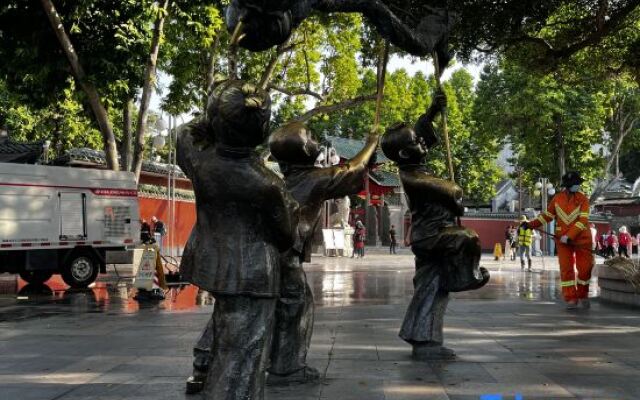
x=99, y=111
x=520, y=208
x=562, y=164
x=623, y=130
x=327, y=109
x=560, y=145
x=614, y=158
x=126, y=135
x=211, y=71
x=147, y=89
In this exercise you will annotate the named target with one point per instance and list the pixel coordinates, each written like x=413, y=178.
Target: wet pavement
x=512, y=337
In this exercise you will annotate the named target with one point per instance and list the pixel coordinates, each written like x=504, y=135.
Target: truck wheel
x=36, y=277
x=80, y=270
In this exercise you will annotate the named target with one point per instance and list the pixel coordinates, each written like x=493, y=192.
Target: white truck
x=64, y=220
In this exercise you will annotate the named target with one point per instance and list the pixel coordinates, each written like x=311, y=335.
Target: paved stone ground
x=513, y=336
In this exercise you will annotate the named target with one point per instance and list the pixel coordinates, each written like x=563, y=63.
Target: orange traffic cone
x=497, y=251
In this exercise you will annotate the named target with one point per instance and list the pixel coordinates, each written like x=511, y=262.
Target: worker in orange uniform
x=570, y=209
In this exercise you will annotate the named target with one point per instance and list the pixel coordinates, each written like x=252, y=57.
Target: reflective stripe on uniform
x=580, y=226
x=567, y=283
x=547, y=213
x=567, y=218
x=581, y=282
x=584, y=214
x=541, y=219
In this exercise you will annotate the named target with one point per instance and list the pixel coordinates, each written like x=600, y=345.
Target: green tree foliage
x=548, y=34
x=328, y=65
x=110, y=38
x=191, y=52
x=551, y=125
x=406, y=98
x=100, y=43
x=328, y=55
x=622, y=125
x=65, y=123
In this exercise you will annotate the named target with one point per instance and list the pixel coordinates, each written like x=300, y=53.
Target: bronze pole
x=445, y=128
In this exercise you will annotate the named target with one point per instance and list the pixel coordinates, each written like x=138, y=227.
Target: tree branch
x=273, y=63
x=99, y=111
x=331, y=108
x=604, y=28
x=296, y=92
x=147, y=88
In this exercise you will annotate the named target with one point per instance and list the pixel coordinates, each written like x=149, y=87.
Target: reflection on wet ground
x=338, y=281
x=511, y=337
x=109, y=294
x=375, y=280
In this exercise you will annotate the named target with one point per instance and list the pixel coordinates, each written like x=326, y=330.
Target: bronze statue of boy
x=245, y=219
x=447, y=255
x=296, y=151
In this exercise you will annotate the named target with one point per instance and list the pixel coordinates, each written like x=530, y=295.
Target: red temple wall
x=184, y=221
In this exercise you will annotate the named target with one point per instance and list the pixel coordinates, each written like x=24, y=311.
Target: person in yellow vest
x=525, y=238
x=570, y=209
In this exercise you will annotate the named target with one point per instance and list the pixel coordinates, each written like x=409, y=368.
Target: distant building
x=616, y=188
x=506, y=194
x=383, y=191
x=504, y=159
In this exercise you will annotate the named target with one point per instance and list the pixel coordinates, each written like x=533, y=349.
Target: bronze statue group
x=254, y=229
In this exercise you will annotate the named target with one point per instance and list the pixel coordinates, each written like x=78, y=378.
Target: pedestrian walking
x=612, y=244
x=537, y=248
x=624, y=242
x=392, y=240
x=510, y=243
x=513, y=244
x=506, y=242
x=359, y=238
x=159, y=231
x=604, y=239
x=525, y=238
x=570, y=209
x=145, y=232
x=594, y=237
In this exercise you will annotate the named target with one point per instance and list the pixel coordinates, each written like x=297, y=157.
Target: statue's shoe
x=305, y=375
x=432, y=353
x=196, y=382
x=470, y=282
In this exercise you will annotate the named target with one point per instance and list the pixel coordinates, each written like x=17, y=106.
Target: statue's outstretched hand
x=439, y=103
